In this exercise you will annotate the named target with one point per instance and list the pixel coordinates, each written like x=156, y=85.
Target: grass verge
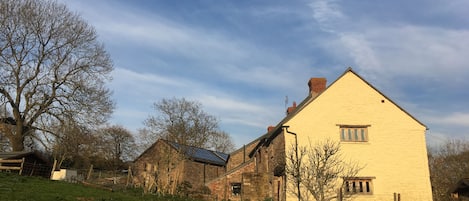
x=22, y=188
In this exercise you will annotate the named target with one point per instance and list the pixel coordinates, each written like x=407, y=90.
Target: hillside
x=22, y=188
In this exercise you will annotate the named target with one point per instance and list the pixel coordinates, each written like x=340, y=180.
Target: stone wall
x=241, y=155
x=221, y=188
x=256, y=186
x=270, y=164
x=197, y=173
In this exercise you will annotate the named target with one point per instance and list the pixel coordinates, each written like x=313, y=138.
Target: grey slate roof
x=201, y=155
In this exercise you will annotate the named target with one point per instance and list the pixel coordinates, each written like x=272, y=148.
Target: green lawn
x=23, y=188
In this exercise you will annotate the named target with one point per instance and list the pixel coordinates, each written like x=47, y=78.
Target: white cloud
x=124, y=76
x=327, y=13
x=420, y=51
x=453, y=119
x=360, y=50
x=230, y=105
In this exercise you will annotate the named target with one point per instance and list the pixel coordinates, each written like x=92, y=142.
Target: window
x=358, y=186
x=236, y=188
x=353, y=133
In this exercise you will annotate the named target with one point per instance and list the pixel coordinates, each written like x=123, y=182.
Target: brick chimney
x=270, y=128
x=317, y=85
x=292, y=108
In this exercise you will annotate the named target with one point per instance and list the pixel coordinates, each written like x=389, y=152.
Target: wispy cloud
x=385, y=51
x=125, y=77
x=328, y=14
x=454, y=119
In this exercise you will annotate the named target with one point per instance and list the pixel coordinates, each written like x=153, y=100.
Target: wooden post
x=129, y=176
x=32, y=170
x=22, y=165
x=89, y=172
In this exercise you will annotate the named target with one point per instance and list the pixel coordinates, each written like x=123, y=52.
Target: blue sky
x=240, y=59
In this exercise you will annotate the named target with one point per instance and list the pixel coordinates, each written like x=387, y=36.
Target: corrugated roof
x=201, y=155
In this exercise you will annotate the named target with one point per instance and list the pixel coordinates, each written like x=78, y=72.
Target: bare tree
x=117, y=145
x=184, y=122
x=222, y=142
x=72, y=145
x=52, y=68
x=448, y=164
x=319, y=171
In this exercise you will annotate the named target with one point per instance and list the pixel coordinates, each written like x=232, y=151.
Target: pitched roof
x=267, y=138
x=200, y=154
x=310, y=98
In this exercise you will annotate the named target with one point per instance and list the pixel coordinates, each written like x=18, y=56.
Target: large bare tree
x=184, y=122
x=52, y=68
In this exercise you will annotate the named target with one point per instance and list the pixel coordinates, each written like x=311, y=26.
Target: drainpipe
x=298, y=164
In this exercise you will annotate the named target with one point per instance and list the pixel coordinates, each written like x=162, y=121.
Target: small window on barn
x=353, y=133
x=358, y=186
x=236, y=188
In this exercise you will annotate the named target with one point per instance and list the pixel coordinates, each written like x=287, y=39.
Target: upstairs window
x=353, y=133
x=358, y=186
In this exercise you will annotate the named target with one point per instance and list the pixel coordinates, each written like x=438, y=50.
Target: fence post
x=32, y=169
x=129, y=176
x=89, y=172
x=22, y=165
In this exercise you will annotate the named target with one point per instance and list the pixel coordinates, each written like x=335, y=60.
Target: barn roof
x=14, y=154
x=201, y=155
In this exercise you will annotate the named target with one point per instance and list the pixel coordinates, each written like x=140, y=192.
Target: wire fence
x=104, y=179
x=23, y=167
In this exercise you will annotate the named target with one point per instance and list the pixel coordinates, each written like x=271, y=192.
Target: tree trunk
x=17, y=142
x=15, y=135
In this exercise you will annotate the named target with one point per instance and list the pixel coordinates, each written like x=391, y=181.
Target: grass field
x=22, y=188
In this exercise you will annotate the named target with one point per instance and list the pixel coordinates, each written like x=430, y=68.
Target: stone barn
x=169, y=167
